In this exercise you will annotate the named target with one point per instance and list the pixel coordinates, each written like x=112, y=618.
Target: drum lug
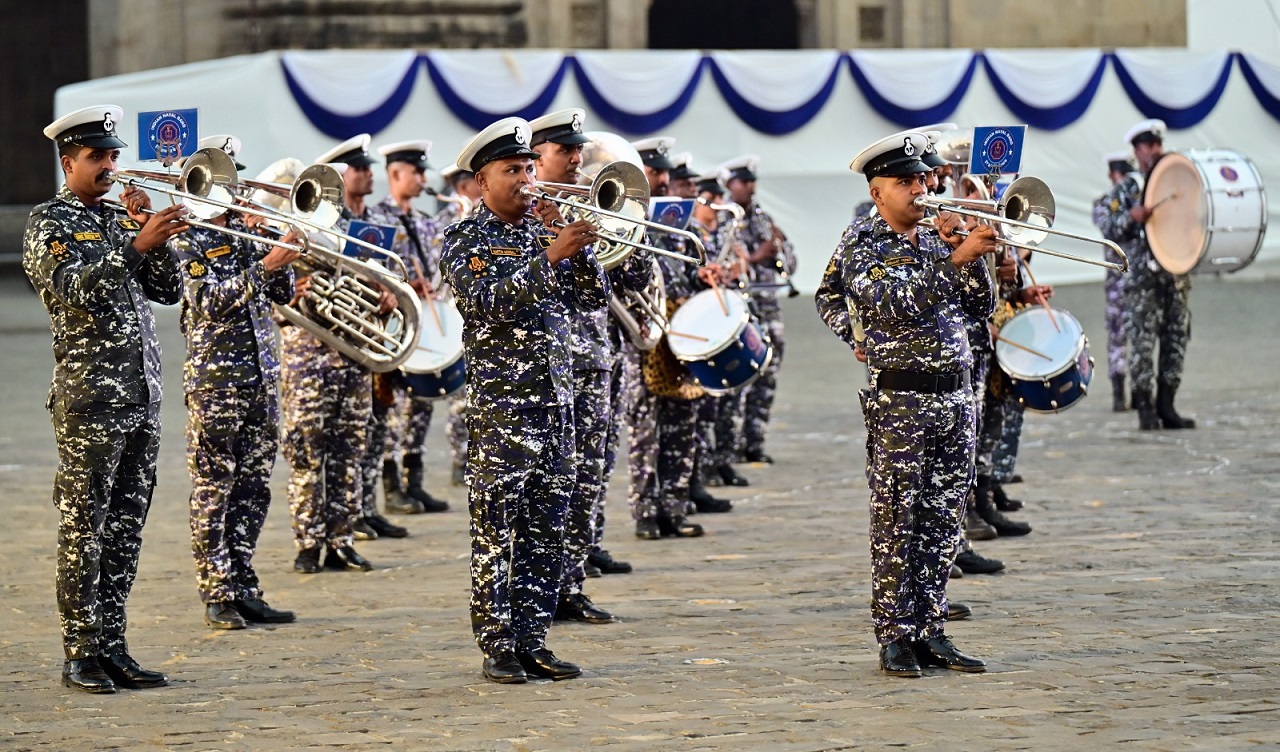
x=724, y=383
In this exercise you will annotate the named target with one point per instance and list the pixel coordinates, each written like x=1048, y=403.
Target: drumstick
x=1043, y=300
x=1023, y=347
x=430, y=299
x=719, y=298
x=674, y=333
x=1156, y=205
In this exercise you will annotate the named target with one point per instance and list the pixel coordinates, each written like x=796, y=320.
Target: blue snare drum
x=1049, y=366
x=723, y=351
x=436, y=368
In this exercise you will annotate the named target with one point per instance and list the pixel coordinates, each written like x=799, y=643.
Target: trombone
x=1027, y=204
x=619, y=192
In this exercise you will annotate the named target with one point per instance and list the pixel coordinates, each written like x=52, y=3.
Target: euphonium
x=642, y=315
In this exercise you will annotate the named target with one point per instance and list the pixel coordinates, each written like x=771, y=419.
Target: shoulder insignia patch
x=196, y=269
x=476, y=264
x=501, y=251
x=900, y=261
x=876, y=274
x=221, y=250
x=128, y=224
x=1115, y=204
x=88, y=236
x=546, y=240
x=57, y=248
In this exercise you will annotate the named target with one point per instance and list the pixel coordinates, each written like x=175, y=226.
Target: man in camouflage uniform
x=910, y=291
x=517, y=288
x=398, y=432
x=559, y=140
x=230, y=379
x=1157, y=302
x=325, y=406
x=773, y=261
x=95, y=270
x=663, y=428
x=1111, y=215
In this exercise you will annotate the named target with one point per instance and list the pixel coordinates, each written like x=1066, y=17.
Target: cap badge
x=108, y=123
x=519, y=136
x=576, y=124
x=227, y=148
x=908, y=148
x=662, y=148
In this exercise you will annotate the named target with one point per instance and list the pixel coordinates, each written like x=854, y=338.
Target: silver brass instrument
x=643, y=315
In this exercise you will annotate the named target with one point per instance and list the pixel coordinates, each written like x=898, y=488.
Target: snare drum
x=1049, y=370
x=723, y=351
x=1209, y=211
x=436, y=368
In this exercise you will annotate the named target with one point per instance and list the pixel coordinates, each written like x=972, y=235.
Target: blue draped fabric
x=343, y=127
x=481, y=119
x=1047, y=118
x=1269, y=102
x=906, y=117
x=636, y=123
x=1177, y=118
x=768, y=121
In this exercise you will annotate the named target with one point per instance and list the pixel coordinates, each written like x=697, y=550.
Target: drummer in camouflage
x=95, y=270
x=1111, y=215
x=1159, y=309
x=517, y=287
x=911, y=289
x=230, y=378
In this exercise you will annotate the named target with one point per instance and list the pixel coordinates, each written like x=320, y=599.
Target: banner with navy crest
x=997, y=150
x=167, y=135
x=671, y=211
x=383, y=236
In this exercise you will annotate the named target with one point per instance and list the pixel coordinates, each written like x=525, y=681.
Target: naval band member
x=95, y=271
x=911, y=288
x=517, y=287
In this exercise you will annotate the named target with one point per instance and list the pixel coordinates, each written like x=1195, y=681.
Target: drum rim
x=721, y=391
x=1081, y=344
x=744, y=319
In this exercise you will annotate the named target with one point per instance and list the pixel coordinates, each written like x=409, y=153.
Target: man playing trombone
x=95, y=271
x=230, y=379
x=517, y=288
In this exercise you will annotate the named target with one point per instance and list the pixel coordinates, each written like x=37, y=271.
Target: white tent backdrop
x=804, y=179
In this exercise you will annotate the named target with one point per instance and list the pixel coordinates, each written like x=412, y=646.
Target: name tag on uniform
x=128, y=224
x=499, y=251
x=900, y=261
x=221, y=250
x=88, y=236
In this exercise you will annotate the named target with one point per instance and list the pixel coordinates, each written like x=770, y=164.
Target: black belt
x=929, y=383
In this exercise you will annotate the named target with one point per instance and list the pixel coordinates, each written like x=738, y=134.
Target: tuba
x=642, y=315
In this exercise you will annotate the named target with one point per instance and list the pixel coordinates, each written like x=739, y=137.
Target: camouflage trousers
x=1005, y=456
x=456, y=428
x=921, y=449
x=758, y=397
x=396, y=430
x=1159, y=316
x=663, y=437
x=102, y=490
x=1115, y=314
x=989, y=410
x=522, y=473
x=325, y=405
x=618, y=401
x=232, y=439
x=591, y=418
x=719, y=421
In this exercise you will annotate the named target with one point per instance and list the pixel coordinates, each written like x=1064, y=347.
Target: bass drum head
x=1178, y=230
x=712, y=328
x=438, y=346
x=1054, y=351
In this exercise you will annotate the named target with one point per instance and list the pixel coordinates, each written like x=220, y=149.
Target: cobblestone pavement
x=1141, y=613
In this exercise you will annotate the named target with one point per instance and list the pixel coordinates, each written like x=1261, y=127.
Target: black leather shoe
x=1003, y=502
x=86, y=675
x=605, y=562
x=898, y=659
x=223, y=616
x=346, y=558
x=757, y=455
x=679, y=527
x=308, y=561
x=429, y=503
x=504, y=668
x=958, y=611
x=578, y=607
x=940, y=653
x=976, y=528
x=397, y=502
x=972, y=563
x=385, y=528
x=590, y=570
x=705, y=503
x=363, y=531
x=731, y=477
x=648, y=530
x=544, y=664
x=257, y=611
x=126, y=672
x=956, y=572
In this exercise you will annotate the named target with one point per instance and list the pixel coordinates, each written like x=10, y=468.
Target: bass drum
x=722, y=347
x=1209, y=211
x=436, y=368
x=1048, y=363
